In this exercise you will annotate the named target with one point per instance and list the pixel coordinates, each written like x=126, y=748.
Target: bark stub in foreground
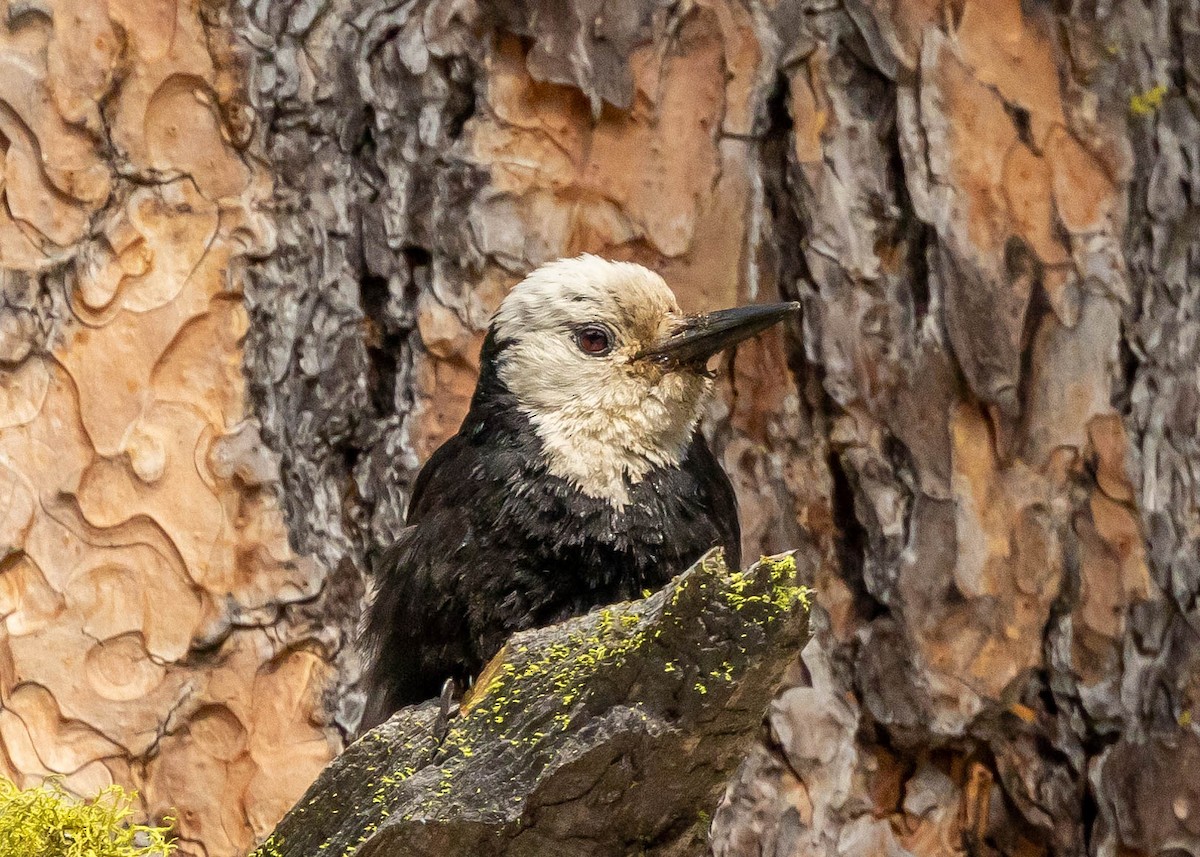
x=608, y=733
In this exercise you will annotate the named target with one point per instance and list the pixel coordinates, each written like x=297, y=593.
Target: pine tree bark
x=249, y=254
x=158, y=631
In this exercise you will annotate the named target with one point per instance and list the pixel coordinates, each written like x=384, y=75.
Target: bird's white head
x=608, y=370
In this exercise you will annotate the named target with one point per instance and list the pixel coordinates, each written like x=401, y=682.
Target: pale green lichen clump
x=48, y=822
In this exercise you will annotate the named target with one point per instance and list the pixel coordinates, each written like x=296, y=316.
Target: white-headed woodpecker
x=578, y=477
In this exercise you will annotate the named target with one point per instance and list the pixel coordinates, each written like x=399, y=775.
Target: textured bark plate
x=606, y=734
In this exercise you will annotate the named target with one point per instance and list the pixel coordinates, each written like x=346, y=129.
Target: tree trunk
x=158, y=631
x=293, y=219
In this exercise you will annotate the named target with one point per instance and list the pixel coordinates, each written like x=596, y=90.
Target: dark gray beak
x=702, y=336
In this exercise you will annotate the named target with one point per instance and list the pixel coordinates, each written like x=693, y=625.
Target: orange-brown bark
x=145, y=571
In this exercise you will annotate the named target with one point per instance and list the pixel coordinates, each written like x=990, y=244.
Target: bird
x=578, y=477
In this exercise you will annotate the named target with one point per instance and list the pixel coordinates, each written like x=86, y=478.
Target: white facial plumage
x=605, y=420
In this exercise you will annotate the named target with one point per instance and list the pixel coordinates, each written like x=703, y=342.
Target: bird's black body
x=495, y=543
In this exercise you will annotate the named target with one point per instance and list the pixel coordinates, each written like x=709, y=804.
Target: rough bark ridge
x=612, y=733
x=153, y=629
x=1017, y=675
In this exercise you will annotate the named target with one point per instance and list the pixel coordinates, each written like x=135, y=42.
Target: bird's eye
x=593, y=339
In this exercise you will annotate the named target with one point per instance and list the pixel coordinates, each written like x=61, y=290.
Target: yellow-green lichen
x=783, y=593
x=725, y=672
x=46, y=821
x=1145, y=103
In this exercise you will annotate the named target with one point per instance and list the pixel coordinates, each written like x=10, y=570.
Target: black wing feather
x=414, y=626
x=719, y=501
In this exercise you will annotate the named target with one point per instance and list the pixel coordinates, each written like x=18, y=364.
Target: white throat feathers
x=605, y=419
